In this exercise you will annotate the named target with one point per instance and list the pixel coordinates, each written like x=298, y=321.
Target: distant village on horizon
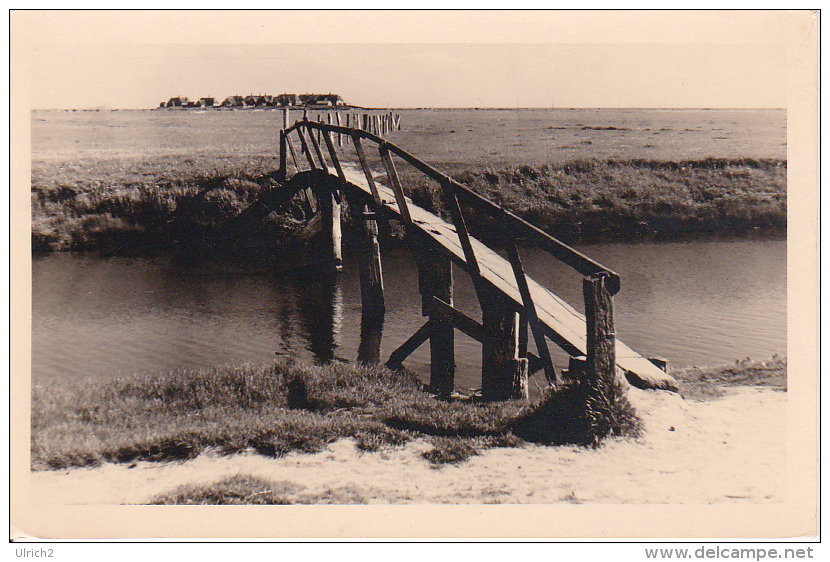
x=260, y=100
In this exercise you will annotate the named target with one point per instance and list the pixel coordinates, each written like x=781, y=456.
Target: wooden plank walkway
x=562, y=323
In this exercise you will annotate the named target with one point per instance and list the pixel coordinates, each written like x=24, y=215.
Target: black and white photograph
x=516, y=272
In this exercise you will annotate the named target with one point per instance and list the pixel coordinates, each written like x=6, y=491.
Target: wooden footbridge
x=513, y=305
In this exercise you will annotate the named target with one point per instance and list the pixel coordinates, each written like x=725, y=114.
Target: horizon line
x=418, y=108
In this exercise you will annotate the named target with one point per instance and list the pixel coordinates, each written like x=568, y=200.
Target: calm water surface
x=700, y=302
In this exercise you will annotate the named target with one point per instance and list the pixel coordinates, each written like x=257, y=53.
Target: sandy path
x=728, y=450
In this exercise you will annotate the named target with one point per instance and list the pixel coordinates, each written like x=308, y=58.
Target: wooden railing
x=508, y=221
x=599, y=285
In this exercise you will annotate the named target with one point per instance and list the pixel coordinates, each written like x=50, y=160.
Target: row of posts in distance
x=376, y=123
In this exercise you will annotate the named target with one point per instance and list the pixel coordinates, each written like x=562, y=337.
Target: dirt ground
x=724, y=450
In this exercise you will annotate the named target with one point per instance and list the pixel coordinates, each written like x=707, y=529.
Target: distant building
x=178, y=101
x=327, y=100
x=233, y=101
x=258, y=100
x=333, y=100
x=287, y=100
x=206, y=102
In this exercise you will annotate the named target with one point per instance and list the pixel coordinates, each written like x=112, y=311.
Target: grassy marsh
x=287, y=407
x=130, y=181
x=282, y=408
x=589, y=200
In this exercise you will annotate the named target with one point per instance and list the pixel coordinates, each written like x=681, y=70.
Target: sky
x=636, y=70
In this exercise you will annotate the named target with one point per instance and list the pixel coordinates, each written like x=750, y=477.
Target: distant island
x=283, y=100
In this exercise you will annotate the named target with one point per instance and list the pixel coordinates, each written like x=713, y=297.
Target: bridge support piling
x=332, y=235
x=521, y=364
x=503, y=370
x=436, y=280
x=371, y=334
x=601, y=360
x=283, y=171
x=369, y=262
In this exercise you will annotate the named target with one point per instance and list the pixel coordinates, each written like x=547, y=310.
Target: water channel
x=702, y=302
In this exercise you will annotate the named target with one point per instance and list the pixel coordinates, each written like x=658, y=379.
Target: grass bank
x=282, y=408
x=706, y=383
x=148, y=204
x=590, y=200
x=141, y=205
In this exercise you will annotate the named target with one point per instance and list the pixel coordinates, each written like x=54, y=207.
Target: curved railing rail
x=453, y=190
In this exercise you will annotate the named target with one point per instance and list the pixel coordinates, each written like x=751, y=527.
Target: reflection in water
x=320, y=313
x=698, y=303
x=371, y=333
x=286, y=329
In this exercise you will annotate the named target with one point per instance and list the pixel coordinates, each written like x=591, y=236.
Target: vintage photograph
x=274, y=264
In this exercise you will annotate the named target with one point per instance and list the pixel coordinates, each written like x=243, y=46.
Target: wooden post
x=367, y=171
x=332, y=235
x=501, y=377
x=316, y=144
x=335, y=160
x=371, y=273
x=522, y=336
x=521, y=364
x=285, y=119
x=283, y=172
x=306, y=149
x=409, y=346
x=435, y=280
x=392, y=174
x=339, y=135
x=530, y=313
x=369, y=263
x=293, y=153
x=371, y=283
x=601, y=361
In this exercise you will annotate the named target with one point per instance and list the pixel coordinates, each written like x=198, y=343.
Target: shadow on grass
x=581, y=414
